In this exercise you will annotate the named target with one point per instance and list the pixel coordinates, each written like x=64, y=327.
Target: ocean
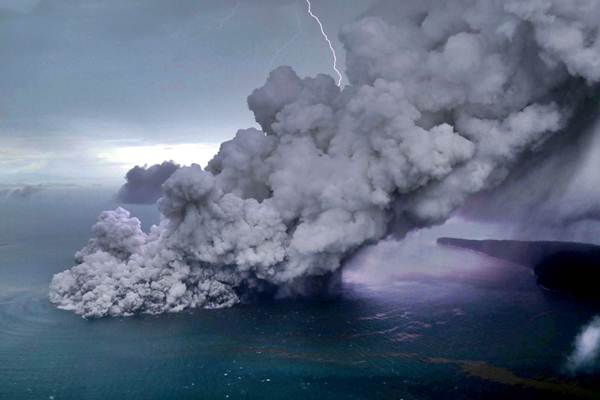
x=414, y=337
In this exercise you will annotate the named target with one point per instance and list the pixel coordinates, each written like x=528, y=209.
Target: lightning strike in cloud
x=271, y=216
x=335, y=68
x=289, y=43
x=229, y=16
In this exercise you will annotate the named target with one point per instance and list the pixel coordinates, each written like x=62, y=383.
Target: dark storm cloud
x=144, y=183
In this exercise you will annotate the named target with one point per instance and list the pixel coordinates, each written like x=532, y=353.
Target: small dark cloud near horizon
x=143, y=184
x=100, y=74
x=21, y=192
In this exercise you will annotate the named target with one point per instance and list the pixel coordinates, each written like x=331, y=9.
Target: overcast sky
x=91, y=87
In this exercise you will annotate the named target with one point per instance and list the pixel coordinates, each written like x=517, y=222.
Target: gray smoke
x=445, y=99
x=555, y=192
x=143, y=184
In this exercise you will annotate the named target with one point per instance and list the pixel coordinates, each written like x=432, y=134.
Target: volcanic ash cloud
x=444, y=99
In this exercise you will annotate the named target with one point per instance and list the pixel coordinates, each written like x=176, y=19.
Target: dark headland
x=567, y=267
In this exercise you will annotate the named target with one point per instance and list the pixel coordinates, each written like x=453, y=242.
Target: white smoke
x=444, y=98
x=587, y=347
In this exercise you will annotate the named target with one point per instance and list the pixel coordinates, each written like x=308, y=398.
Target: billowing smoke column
x=444, y=99
x=555, y=193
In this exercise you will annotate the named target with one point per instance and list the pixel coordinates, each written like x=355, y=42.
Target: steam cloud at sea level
x=444, y=99
x=587, y=347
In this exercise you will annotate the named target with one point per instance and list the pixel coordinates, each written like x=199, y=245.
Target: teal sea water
x=405, y=339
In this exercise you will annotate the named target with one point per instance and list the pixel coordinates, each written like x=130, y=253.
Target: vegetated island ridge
x=571, y=268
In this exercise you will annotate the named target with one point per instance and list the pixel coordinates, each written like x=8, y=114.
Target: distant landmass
x=568, y=267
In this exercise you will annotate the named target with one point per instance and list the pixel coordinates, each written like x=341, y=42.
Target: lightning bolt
x=335, y=68
x=290, y=42
x=229, y=16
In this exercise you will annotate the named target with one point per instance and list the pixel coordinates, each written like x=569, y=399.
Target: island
x=570, y=268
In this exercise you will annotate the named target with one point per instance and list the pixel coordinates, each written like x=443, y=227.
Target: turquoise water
x=408, y=339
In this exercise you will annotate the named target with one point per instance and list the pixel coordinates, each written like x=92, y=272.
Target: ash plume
x=143, y=184
x=554, y=193
x=444, y=100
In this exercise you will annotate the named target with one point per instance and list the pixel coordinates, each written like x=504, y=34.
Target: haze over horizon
x=92, y=88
